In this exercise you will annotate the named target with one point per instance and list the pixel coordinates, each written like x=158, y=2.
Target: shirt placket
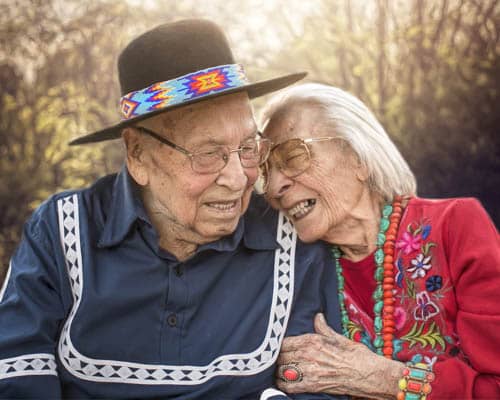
x=174, y=312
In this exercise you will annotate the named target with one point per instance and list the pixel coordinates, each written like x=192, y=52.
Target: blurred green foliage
x=429, y=70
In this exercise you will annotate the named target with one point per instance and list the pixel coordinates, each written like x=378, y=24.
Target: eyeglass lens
x=252, y=154
x=291, y=158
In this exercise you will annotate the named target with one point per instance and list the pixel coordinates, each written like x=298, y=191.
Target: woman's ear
x=135, y=156
x=361, y=170
x=362, y=173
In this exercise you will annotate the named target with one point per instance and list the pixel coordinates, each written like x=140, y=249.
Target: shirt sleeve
x=31, y=311
x=474, y=258
x=316, y=273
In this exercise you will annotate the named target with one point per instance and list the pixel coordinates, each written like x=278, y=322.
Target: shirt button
x=179, y=271
x=172, y=320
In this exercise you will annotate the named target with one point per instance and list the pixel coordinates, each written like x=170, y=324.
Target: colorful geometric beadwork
x=415, y=383
x=187, y=87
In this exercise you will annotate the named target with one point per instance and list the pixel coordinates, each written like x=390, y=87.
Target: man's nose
x=233, y=174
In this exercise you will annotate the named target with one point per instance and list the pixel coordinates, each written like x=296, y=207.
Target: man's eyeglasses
x=291, y=157
x=252, y=153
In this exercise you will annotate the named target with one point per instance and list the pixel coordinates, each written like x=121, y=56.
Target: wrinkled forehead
x=224, y=119
x=299, y=120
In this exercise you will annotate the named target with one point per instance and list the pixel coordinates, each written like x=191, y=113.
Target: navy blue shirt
x=93, y=308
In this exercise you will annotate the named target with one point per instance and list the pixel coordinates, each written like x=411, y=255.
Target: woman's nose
x=278, y=183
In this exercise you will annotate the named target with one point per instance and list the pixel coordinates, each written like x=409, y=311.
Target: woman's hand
x=333, y=364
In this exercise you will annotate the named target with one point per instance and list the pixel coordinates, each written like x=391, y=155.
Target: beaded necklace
x=383, y=296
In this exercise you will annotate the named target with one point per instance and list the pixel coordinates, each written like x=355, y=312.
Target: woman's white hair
x=389, y=173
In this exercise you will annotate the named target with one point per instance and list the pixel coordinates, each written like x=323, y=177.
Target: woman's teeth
x=302, y=209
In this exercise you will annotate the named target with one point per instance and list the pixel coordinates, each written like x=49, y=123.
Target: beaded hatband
x=383, y=323
x=179, y=90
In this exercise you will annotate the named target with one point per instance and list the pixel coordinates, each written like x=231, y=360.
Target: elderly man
x=151, y=283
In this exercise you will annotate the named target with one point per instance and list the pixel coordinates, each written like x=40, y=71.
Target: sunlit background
x=429, y=70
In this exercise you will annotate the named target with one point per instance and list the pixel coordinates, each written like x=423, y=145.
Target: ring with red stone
x=290, y=373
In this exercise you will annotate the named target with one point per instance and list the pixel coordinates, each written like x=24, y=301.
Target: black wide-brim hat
x=177, y=64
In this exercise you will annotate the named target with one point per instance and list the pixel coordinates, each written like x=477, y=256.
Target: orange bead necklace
x=383, y=296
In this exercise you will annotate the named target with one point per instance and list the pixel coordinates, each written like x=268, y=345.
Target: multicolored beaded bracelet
x=415, y=383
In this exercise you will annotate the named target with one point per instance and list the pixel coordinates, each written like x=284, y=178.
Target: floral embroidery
x=425, y=308
x=399, y=317
x=433, y=283
x=426, y=230
x=354, y=331
x=420, y=292
x=399, y=274
x=431, y=337
x=430, y=361
x=409, y=243
x=357, y=333
x=417, y=358
x=420, y=287
x=398, y=346
x=420, y=266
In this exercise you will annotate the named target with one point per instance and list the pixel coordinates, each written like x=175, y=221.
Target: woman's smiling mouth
x=301, y=209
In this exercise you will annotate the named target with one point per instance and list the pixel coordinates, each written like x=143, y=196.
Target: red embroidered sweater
x=447, y=313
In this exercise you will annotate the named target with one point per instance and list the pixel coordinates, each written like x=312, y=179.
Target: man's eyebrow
x=210, y=140
x=207, y=141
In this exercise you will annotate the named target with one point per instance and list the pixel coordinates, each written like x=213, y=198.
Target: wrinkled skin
x=346, y=213
x=333, y=364
x=335, y=179
x=179, y=201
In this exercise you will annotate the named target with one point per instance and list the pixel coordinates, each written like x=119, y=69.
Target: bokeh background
x=429, y=69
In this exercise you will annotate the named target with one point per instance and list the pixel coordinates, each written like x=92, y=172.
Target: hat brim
x=254, y=90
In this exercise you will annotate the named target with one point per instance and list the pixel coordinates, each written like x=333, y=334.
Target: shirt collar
x=257, y=227
x=125, y=208
x=261, y=223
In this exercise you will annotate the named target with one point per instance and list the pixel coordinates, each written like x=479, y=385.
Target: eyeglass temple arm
x=164, y=141
x=320, y=139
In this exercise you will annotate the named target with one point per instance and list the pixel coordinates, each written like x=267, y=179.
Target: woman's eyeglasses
x=291, y=157
x=252, y=153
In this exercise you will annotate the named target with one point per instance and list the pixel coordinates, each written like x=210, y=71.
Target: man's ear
x=135, y=156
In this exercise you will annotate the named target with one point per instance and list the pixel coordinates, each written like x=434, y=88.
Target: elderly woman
x=418, y=278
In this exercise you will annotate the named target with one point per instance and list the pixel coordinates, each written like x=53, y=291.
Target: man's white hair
x=348, y=118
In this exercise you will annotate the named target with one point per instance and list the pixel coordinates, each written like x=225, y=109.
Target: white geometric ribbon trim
x=5, y=282
x=28, y=364
x=268, y=393
x=98, y=370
